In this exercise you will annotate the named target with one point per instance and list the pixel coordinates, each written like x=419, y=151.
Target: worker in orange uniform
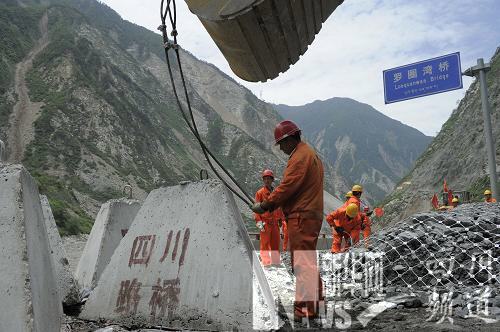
x=346, y=224
x=269, y=224
x=366, y=224
x=348, y=195
x=284, y=231
x=357, y=191
x=300, y=195
x=488, y=198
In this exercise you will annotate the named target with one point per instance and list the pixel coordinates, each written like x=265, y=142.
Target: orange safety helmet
x=285, y=129
x=267, y=172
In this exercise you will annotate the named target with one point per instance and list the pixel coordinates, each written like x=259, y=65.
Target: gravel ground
x=74, y=246
x=435, y=302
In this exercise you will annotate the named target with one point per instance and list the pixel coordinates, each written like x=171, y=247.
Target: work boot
x=307, y=323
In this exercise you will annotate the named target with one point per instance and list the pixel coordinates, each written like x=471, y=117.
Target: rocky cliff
x=457, y=154
x=87, y=107
x=363, y=145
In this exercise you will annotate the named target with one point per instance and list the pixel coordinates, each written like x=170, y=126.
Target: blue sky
x=359, y=41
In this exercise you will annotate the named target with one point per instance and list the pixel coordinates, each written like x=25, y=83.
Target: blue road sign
x=423, y=78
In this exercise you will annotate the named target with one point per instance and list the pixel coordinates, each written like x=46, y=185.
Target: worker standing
x=488, y=198
x=300, y=194
x=284, y=230
x=348, y=195
x=269, y=224
x=346, y=225
x=357, y=191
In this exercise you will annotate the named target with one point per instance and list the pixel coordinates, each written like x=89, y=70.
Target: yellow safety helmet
x=357, y=187
x=349, y=194
x=352, y=210
x=454, y=200
x=487, y=192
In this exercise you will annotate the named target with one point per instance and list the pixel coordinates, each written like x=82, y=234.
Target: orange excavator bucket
x=262, y=38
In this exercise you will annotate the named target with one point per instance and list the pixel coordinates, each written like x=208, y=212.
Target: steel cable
x=164, y=12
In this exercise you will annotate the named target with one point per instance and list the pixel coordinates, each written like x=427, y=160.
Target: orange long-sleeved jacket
x=366, y=222
x=354, y=200
x=338, y=218
x=261, y=195
x=301, y=190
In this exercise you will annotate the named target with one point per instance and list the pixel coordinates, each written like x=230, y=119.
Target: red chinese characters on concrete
x=175, y=249
x=165, y=298
x=142, y=249
x=128, y=297
x=165, y=293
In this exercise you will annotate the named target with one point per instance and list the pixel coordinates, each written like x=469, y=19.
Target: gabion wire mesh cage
x=433, y=250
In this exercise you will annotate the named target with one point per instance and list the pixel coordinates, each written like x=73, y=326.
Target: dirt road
x=21, y=130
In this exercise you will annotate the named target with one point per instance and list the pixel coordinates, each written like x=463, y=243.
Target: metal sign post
x=480, y=70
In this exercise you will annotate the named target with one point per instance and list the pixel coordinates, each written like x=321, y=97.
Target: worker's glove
x=260, y=225
x=339, y=230
x=257, y=208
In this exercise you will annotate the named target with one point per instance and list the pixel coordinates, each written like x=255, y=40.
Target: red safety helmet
x=268, y=172
x=284, y=129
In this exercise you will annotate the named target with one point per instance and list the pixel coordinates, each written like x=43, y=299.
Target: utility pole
x=480, y=70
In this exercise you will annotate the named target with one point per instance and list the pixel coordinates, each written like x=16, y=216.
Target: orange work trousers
x=270, y=244
x=284, y=229
x=350, y=237
x=366, y=235
x=308, y=286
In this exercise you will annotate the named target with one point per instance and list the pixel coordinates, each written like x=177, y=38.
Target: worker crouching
x=346, y=225
x=269, y=224
x=355, y=198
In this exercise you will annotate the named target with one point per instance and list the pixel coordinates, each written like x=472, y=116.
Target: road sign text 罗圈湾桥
x=423, y=78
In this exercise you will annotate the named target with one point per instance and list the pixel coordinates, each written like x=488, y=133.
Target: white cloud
x=359, y=41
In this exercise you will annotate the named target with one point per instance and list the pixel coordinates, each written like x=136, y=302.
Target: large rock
x=29, y=300
x=186, y=262
x=111, y=225
x=67, y=286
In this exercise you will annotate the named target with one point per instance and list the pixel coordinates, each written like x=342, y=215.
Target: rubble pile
x=440, y=260
x=442, y=250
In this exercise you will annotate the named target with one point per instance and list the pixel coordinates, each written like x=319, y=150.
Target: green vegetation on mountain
x=17, y=35
x=108, y=116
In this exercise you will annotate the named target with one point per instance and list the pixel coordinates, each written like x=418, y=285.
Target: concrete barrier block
x=186, y=262
x=29, y=300
x=111, y=225
x=69, y=291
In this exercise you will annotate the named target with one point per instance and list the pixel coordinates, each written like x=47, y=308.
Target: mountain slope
x=108, y=117
x=364, y=145
x=457, y=154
